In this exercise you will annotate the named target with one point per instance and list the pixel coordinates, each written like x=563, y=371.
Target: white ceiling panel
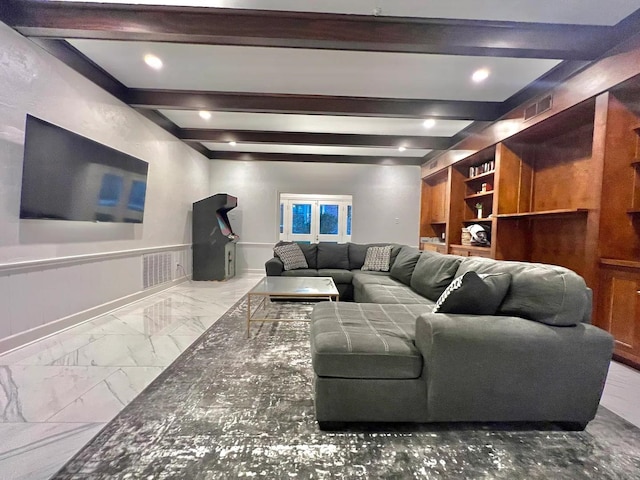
x=595, y=12
x=315, y=149
x=276, y=122
x=313, y=72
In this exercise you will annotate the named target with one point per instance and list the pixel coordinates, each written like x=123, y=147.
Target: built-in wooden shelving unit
x=545, y=213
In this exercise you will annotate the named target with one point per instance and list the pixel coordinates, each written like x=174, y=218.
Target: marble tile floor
x=56, y=394
x=59, y=392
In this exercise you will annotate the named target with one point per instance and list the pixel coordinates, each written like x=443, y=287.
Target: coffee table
x=283, y=288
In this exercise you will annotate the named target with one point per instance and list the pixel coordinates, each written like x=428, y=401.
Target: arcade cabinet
x=214, y=243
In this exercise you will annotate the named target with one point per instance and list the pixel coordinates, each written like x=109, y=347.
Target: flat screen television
x=66, y=176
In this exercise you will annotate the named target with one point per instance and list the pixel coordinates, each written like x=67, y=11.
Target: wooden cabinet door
x=621, y=310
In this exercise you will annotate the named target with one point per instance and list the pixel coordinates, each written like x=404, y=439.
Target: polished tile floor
x=56, y=394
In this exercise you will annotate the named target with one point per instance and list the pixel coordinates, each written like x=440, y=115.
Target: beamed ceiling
x=329, y=81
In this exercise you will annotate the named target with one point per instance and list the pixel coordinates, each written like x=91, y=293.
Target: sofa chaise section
x=537, y=359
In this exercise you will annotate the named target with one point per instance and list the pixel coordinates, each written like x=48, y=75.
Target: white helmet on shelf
x=479, y=235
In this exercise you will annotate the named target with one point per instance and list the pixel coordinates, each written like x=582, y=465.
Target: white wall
x=34, y=290
x=381, y=194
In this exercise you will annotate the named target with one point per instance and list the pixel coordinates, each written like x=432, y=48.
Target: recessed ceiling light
x=480, y=75
x=153, y=61
x=429, y=122
x=402, y=149
x=233, y=144
x=204, y=115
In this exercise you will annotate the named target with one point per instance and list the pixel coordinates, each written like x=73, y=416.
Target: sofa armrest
x=274, y=267
x=498, y=368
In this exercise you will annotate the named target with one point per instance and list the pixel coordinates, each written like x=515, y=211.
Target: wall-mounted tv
x=66, y=176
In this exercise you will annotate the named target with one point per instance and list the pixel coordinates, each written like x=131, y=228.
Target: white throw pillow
x=291, y=256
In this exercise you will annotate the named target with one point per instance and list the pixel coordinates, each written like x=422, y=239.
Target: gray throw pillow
x=433, y=273
x=377, y=259
x=402, y=268
x=474, y=294
x=291, y=256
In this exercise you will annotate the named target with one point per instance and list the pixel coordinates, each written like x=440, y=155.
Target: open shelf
x=636, y=163
x=612, y=262
x=633, y=212
x=438, y=223
x=481, y=176
x=547, y=213
x=479, y=195
x=472, y=248
x=477, y=220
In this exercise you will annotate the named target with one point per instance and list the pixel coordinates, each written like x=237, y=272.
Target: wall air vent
x=537, y=108
x=156, y=269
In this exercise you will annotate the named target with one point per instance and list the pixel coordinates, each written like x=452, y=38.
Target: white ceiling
x=280, y=122
x=585, y=12
x=340, y=74
x=316, y=149
x=321, y=72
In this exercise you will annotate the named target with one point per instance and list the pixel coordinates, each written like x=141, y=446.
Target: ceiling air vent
x=537, y=108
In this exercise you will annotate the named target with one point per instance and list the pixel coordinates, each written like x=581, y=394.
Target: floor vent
x=156, y=269
x=537, y=108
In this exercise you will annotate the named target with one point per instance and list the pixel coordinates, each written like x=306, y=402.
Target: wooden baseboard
x=627, y=361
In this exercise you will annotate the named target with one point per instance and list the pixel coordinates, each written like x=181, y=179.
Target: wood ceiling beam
x=314, y=104
x=297, y=157
x=219, y=26
x=303, y=138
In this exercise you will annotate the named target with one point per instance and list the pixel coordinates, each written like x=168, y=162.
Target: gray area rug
x=231, y=407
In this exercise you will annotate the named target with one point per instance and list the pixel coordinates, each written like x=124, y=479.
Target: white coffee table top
x=300, y=286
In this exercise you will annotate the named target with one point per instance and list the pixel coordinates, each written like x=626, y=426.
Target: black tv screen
x=66, y=176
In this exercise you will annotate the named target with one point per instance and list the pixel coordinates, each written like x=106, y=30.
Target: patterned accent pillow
x=474, y=294
x=291, y=256
x=377, y=259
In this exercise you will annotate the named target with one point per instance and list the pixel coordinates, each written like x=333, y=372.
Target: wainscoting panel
x=42, y=297
x=251, y=256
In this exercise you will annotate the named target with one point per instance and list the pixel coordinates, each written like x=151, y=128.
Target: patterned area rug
x=232, y=407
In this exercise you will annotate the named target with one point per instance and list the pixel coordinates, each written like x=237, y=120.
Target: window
x=315, y=218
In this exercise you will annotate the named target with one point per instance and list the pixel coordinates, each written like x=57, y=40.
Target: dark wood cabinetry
x=565, y=191
x=620, y=313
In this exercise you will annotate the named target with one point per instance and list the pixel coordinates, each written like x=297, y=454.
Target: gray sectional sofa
x=341, y=261
x=386, y=357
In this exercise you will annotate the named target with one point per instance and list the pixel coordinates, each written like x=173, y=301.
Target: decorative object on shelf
x=482, y=168
x=479, y=209
x=479, y=235
x=466, y=237
x=483, y=187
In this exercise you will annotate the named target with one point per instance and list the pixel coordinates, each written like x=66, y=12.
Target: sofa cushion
x=433, y=273
x=377, y=259
x=333, y=255
x=390, y=294
x=545, y=293
x=351, y=340
x=357, y=254
x=338, y=275
x=291, y=256
x=301, y=272
x=474, y=294
x=310, y=251
x=378, y=278
x=404, y=264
